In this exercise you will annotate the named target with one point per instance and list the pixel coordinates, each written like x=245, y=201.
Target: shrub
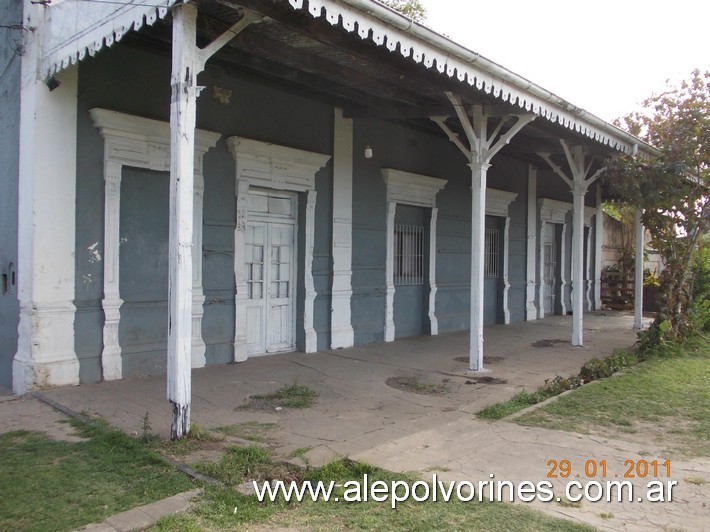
x=595, y=369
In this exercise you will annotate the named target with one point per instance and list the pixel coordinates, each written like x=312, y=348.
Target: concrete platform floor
x=358, y=415
x=356, y=409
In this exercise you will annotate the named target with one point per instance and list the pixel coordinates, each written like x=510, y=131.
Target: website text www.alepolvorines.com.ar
x=397, y=491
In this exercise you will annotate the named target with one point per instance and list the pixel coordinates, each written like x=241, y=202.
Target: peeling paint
x=94, y=253
x=123, y=240
x=86, y=279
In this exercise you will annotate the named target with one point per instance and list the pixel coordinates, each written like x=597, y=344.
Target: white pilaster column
x=240, y=275
x=588, y=270
x=478, y=236
x=433, y=322
x=198, y=295
x=46, y=221
x=638, y=271
x=598, y=241
x=563, y=269
x=183, y=110
x=389, y=274
x=531, y=312
x=506, y=280
x=578, y=264
x=111, y=364
x=341, y=329
x=310, y=332
x=541, y=269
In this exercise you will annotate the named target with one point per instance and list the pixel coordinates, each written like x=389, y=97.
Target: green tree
x=672, y=188
x=410, y=8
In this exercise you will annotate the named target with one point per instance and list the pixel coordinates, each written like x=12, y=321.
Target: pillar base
x=481, y=371
x=342, y=337
x=27, y=377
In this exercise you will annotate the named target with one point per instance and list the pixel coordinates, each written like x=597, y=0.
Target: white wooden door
x=549, y=267
x=270, y=273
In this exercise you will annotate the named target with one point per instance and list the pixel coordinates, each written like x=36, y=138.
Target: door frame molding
x=271, y=166
x=420, y=191
x=139, y=142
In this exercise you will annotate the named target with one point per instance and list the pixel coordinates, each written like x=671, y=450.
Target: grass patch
x=57, y=485
x=240, y=464
x=518, y=402
x=294, y=396
x=249, y=430
x=665, y=400
x=216, y=509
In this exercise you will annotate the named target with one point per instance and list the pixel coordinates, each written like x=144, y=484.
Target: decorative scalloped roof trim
x=107, y=24
x=420, y=51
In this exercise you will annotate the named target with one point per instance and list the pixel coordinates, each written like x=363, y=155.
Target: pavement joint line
x=190, y=472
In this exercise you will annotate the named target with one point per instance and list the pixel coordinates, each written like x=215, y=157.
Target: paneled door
x=270, y=273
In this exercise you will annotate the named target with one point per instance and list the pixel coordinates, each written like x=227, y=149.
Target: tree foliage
x=413, y=9
x=672, y=188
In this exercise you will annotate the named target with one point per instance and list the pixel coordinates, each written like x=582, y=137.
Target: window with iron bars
x=492, y=253
x=408, y=255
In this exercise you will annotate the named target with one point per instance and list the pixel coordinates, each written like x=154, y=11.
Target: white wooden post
x=341, y=329
x=598, y=240
x=531, y=311
x=389, y=274
x=310, y=332
x=183, y=110
x=579, y=183
x=433, y=322
x=578, y=263
x=638, y=271
x=541, y=269
x=478, y=238
x=482, y=147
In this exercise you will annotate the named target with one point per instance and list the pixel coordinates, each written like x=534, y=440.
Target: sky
x=604, y=56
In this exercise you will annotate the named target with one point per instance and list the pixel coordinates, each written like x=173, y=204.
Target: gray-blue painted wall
x=10, y=40
x=268, y=113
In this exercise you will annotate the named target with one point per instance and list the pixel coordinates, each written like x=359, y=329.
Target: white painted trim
x=498, y=202
x=563, y=269
x=389, y=273
x=531, y=310
x=598, y=238
x=506, y=280
x=310, y=289
x=433, y=322
x=418, y=190
x=541, y=269
x=553, y=211
x=588, y=270
x=46, y=221
x=412, y=189
x=240, y=275
x=139, y=142
x=266, y=165
x=341, y=329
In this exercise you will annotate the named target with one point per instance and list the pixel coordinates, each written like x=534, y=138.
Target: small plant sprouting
x=147, y=429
